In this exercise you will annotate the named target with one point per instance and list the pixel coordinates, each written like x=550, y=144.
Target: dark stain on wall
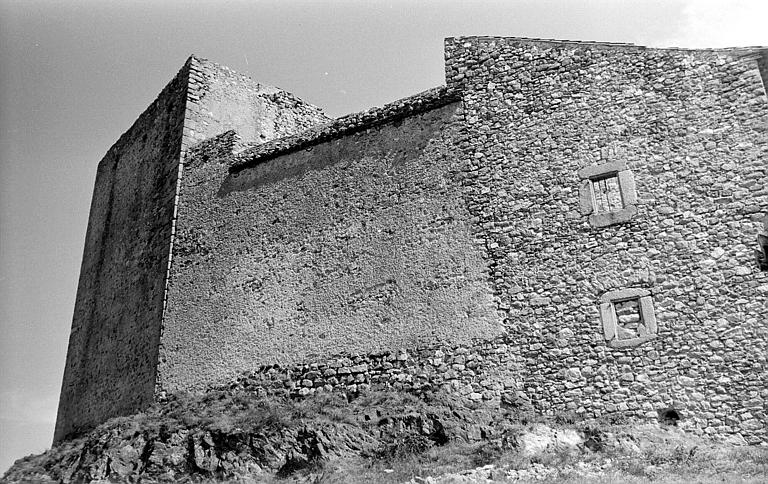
x=112, y=355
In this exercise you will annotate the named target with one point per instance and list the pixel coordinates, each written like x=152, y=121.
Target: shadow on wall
x=396, y=150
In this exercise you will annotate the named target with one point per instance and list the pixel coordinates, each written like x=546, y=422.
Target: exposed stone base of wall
x=489, y=375
x=484, y=372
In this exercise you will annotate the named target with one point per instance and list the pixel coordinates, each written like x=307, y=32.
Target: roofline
x=427, y=100
x=592, y=43
x=345, y=125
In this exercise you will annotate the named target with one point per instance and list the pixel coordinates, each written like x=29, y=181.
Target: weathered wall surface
x=444, y=245
x=691, y=126
x=110, y=367
x=221, y=100
x=114, y=344
x=355, y=245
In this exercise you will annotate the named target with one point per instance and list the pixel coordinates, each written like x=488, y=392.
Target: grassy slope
x=377, y=437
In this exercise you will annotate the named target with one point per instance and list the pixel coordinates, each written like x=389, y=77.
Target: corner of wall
x=450, y=45
x=111, y=359
x=762, y=65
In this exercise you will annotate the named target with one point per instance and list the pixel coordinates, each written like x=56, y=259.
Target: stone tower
x=113, y=347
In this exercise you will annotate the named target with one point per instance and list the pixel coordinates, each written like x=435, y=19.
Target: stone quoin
x=571, y=226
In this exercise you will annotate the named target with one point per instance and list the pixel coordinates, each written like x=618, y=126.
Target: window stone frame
x=588, y=175
x=762, y=251
x=610, y=323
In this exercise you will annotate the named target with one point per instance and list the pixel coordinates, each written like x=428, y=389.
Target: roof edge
x=345, y=125
x=593, y=43
x=269, y=91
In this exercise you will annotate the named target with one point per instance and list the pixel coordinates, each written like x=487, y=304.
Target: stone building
x=576, y=226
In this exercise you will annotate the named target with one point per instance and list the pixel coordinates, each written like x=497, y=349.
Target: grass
x=666, y=456
x=742, y=465
x=403, y=454
x=395, y=437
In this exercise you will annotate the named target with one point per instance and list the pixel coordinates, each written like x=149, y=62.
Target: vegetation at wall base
x=380, y=436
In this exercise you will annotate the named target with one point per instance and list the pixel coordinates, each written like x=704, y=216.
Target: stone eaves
x=345, y=125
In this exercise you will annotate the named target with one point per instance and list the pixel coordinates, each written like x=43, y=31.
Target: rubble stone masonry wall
x=221, y=100
x=330, y=260
x=566, y=225
x=691, y=128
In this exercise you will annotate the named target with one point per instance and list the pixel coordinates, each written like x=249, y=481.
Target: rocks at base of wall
x=487, y=374
x=481, y=372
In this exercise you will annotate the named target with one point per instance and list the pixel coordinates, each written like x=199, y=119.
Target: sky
x=75, y=75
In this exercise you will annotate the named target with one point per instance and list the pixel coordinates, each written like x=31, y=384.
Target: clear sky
x=74, y=75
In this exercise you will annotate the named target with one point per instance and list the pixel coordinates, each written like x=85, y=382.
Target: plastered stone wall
x=220, y=100
x=691, y=126
x=361, y=244
x=114, y=343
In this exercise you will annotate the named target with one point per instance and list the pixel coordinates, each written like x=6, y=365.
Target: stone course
x=483, y=371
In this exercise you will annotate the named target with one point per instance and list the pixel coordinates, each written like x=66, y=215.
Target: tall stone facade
x=113, y=348
x=572, y=226
x=690, y=128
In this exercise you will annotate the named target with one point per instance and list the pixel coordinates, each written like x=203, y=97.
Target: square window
x=607, y=193
x=628, y=318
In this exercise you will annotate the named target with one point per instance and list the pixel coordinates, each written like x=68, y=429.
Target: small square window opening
x=606, y=193
x=629, y=320
x=628, y=317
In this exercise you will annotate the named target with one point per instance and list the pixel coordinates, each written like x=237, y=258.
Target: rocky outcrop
x=236, y=435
